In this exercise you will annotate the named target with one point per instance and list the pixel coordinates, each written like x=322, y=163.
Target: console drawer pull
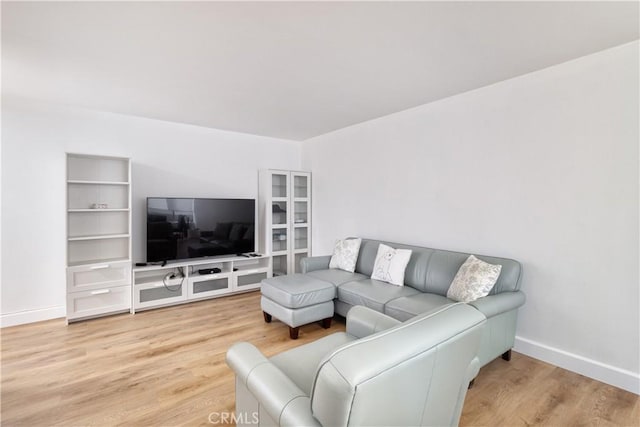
x=100, y=292
x=99, y=267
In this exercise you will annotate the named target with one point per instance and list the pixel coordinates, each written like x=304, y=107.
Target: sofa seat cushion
x=407, y=307
x=335, y=276
x=372, y=293
x=301, y=363
x=297, y=290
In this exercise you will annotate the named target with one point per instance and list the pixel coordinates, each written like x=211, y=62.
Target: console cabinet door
x=156, y=294
x=249, y=279
x=209, y=285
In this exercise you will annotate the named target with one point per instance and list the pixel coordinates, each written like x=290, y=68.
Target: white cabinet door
x=300, y=219
x=208, y=285
x=249, y=278
x=155, y=294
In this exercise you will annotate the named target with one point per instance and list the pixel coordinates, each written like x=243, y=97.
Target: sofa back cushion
x=433, y=270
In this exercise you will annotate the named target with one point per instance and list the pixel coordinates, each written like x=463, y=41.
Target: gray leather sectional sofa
x=427, y=279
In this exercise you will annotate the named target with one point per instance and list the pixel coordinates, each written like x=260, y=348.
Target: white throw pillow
x=390, y=264
x=345, y=254
x=474, y=280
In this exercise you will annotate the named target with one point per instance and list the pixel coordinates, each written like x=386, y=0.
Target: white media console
x=153, y=285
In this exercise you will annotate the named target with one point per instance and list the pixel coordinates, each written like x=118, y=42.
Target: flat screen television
x=181, y=228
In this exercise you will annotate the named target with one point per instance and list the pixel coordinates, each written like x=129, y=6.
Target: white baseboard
x=608, y=374
x=30, y=316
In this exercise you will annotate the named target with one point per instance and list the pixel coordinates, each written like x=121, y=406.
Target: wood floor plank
x=167, y=367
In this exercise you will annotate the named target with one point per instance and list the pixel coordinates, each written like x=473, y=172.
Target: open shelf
x=98, y=237
x=85, y=196
x=251, y=264
x=86, y=251
x=91, y=210
x=150, y=279
x=84, y=182
x=103, y=169
x=107, y=223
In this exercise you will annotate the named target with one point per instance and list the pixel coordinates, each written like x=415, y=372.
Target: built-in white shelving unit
x=285, y=217
x=98, y=235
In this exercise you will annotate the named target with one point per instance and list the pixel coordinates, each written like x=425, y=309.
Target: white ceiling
x=292, y=69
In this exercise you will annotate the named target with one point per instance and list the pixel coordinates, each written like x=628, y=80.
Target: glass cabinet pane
x=300, y=185
x=279, y=185
x=279, y=213
x=280, y=265
x=279, y=239
x=300, y=215
x=301, y=238
x=298, y=259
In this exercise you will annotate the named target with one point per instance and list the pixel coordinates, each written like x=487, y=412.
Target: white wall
x=542, y=168
x=168, y=159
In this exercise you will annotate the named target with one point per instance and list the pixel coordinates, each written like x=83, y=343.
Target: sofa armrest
x=315, y=263
x=280, y=397
x=471, y=373
x=363, y=321
x=492, y=305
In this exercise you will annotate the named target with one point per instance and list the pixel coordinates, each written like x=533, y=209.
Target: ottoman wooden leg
x=267, y=317
x=293, y=333
x=507, y=355
x=326, y=323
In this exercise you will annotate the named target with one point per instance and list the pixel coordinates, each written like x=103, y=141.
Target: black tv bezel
x=212, y=257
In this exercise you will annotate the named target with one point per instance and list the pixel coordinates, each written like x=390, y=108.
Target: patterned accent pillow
x=390, y=264
x=345, y=254
x=474, y=280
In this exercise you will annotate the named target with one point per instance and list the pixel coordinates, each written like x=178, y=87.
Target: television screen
x=180, y=228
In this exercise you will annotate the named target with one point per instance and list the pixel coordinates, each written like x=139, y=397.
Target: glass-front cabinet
x=285, y=216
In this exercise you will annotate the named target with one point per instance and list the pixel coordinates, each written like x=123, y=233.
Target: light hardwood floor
x=166, y=367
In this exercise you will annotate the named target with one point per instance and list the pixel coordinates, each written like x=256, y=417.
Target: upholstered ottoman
x=297, y=299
